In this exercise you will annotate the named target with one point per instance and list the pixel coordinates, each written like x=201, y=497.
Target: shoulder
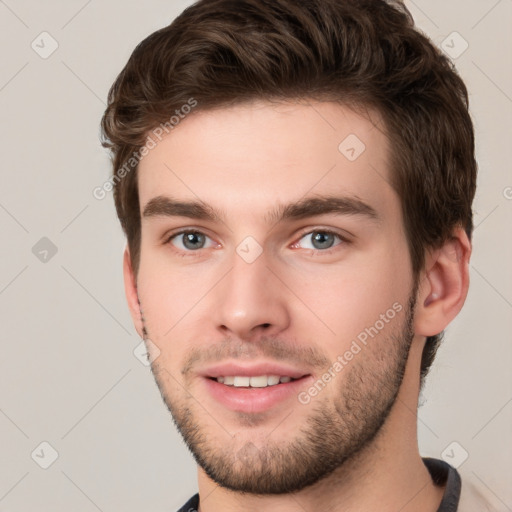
x=475, y=498
x=463, y=491
x=192, y=505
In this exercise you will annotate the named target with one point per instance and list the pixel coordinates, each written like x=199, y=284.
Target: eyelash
x=178, y=252
x=183, y=254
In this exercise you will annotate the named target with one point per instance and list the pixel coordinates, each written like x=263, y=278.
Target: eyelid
x=168, y=238
x=168, y=235
x=307, y=231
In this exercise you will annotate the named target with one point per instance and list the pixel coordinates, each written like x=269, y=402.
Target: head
x=264, y=113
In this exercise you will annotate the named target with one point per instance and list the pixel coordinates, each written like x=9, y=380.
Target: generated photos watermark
x=152, y=140
x=356, y=347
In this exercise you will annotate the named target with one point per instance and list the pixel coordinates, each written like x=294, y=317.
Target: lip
x=252, y=370
x=254, y=400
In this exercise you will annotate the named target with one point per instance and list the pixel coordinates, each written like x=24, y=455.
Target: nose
x=250, y=301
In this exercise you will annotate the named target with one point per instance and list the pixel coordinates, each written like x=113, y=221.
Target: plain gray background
x=68, y=374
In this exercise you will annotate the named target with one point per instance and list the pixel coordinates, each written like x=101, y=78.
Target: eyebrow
x=163, y=206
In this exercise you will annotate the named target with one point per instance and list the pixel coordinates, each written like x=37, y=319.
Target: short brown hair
x=363, y=53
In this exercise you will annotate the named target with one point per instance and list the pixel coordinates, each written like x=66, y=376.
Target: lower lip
x=254, y=400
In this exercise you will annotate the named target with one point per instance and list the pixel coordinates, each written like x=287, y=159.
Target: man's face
x=272, y=283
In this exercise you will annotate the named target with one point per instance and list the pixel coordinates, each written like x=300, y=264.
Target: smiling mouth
x=257, y=381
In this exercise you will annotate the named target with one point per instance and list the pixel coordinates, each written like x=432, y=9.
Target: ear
x=130, y=290
x=443, y=285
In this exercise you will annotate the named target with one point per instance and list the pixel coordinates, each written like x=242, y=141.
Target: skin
x=210, y=305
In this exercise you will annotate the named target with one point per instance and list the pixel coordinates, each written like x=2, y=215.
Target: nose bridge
x=250, y=298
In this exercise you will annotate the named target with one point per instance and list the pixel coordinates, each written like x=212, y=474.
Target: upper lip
x=252, y=370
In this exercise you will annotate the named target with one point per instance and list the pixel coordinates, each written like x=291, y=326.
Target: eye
x=190, y=240
x=319, y=240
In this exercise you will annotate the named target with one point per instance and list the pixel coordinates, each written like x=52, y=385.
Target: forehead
x=246, y=158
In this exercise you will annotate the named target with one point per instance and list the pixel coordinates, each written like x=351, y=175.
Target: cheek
x=164, y=299
x=347, y=298
x=175, y=299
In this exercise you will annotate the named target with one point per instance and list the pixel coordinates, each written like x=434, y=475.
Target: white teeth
x=258, y=381
x=273, y=380
x=242, y=382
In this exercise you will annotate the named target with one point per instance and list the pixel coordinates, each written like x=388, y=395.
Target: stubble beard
x=333, y=434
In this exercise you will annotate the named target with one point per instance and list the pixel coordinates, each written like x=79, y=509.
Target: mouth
x=255, y=388
x=256, y=381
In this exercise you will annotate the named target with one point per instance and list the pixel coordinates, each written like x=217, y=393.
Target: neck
x=388, y=475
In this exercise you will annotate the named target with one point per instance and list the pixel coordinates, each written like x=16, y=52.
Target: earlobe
x=130, y=288
x=444, y=285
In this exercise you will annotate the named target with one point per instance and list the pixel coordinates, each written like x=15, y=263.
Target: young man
x=295, y=181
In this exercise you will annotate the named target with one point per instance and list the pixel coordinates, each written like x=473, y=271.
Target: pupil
x=322, y=240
